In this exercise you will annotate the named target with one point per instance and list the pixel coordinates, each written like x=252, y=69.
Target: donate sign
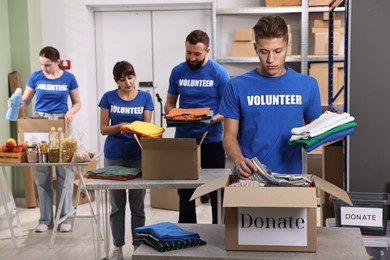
x=272, y=226
x=358, y=216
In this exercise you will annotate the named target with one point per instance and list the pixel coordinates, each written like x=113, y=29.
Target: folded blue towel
x=167, y=231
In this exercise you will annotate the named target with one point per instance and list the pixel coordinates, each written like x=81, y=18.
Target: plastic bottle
x=13, y=110
x=54, y=149
x=61, y=136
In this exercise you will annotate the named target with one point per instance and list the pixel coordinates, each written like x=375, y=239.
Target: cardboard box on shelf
x=274, y=218
x=243, y=34
x=243, y=49
x=326, y=30
x=318, y=23
x=321, y=40
x=170, y=158
x=275, y=3
x=320, y=72
x=318, y=2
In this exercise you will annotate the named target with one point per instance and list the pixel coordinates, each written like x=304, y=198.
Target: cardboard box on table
x=40, y=127
x=270, y=218
x=170, y=158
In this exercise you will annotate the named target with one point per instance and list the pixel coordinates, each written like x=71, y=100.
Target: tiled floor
x=77, y=244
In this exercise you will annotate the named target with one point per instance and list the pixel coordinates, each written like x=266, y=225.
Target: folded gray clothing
x=115, y=171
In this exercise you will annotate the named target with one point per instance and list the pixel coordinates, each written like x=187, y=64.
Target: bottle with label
x=54, y=148
x=13, y=110
x=61, y=136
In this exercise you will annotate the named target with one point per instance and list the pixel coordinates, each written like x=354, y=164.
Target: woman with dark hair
x=52, y=87
x=120, y=106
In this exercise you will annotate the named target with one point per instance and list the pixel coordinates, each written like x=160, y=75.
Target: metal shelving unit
x=304, y=10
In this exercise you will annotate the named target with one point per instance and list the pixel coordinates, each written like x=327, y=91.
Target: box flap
x=290, y=197
x=210, y=186
x=168, y=143
x=332, y=189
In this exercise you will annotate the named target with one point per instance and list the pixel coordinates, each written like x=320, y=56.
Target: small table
x=332, y=243
x=6, y=193
x=102, y=186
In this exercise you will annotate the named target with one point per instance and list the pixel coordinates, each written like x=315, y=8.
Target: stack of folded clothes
x=196, y=117
x=142, y=129
x=166, y=236
x=328, y=127
x=119, y=173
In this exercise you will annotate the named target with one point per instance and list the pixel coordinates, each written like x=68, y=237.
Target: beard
x=195, y=66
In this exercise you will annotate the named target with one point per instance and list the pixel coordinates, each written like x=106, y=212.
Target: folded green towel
x=115, y=171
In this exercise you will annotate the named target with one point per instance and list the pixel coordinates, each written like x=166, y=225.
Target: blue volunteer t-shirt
x=268, y=108
x=124, y=146
x=196, y=89
x=52, y=94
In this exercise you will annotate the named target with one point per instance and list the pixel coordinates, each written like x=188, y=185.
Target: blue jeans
x=118, y=205
x=44, y=182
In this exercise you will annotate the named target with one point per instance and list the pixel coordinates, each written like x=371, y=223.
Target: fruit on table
x=17, y=149
x=10, y=143
x=4, y=148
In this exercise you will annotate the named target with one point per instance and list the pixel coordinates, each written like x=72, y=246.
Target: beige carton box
x=170, y=158
x=243, y=49
x=270, y=218
x=275, y=3
x=243, y=34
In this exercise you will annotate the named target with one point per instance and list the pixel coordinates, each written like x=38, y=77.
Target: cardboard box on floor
x=76, y=183
x=166, y=199
x=26, y=127
x=170, y=158
x=270, y=218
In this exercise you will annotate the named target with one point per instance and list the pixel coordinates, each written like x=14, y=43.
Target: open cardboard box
x=170, y=158
x=270, y=218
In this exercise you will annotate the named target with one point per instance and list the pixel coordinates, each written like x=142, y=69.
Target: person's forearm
x=232, y=149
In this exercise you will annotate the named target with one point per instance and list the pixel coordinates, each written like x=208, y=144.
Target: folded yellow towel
x=143, y=129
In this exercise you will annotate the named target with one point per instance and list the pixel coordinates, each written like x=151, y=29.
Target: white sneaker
x=65, y=227
x=117, y=254
x=41, y=228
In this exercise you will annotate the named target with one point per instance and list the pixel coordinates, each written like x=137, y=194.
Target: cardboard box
x=285, y=217
x=275, y=3
x=321, y=46
x=243, y=34
x=325, y=23
x=164, y=199
x=170, y=158
x=318, y=2
x=326, y=30
x=83, y=194
x=13, y=157
x=243, y=49
x=320, y=72
x=38, y=126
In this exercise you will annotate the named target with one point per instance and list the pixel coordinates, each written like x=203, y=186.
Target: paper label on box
x=40, y=137
x=355, y=216
x=272, y=226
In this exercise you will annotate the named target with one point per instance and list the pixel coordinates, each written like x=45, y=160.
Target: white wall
x=68, y=25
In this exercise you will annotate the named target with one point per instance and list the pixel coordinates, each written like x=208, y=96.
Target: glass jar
x=43, y=148
x=32, y=154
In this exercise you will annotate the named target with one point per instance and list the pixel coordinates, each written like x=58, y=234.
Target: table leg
x=219, y=206
x=107, y=224
x=4, y=192
x=59, y=209
x=98, y=201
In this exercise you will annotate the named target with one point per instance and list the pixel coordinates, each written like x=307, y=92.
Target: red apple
x=10, y=143
x=4, y=148
x=17, y=149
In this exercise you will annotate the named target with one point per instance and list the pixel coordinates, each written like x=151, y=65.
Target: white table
x=102, y=186
x=6, y=194
x=332, y=243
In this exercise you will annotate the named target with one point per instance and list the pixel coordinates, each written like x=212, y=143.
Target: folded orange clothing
x=188, y=113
